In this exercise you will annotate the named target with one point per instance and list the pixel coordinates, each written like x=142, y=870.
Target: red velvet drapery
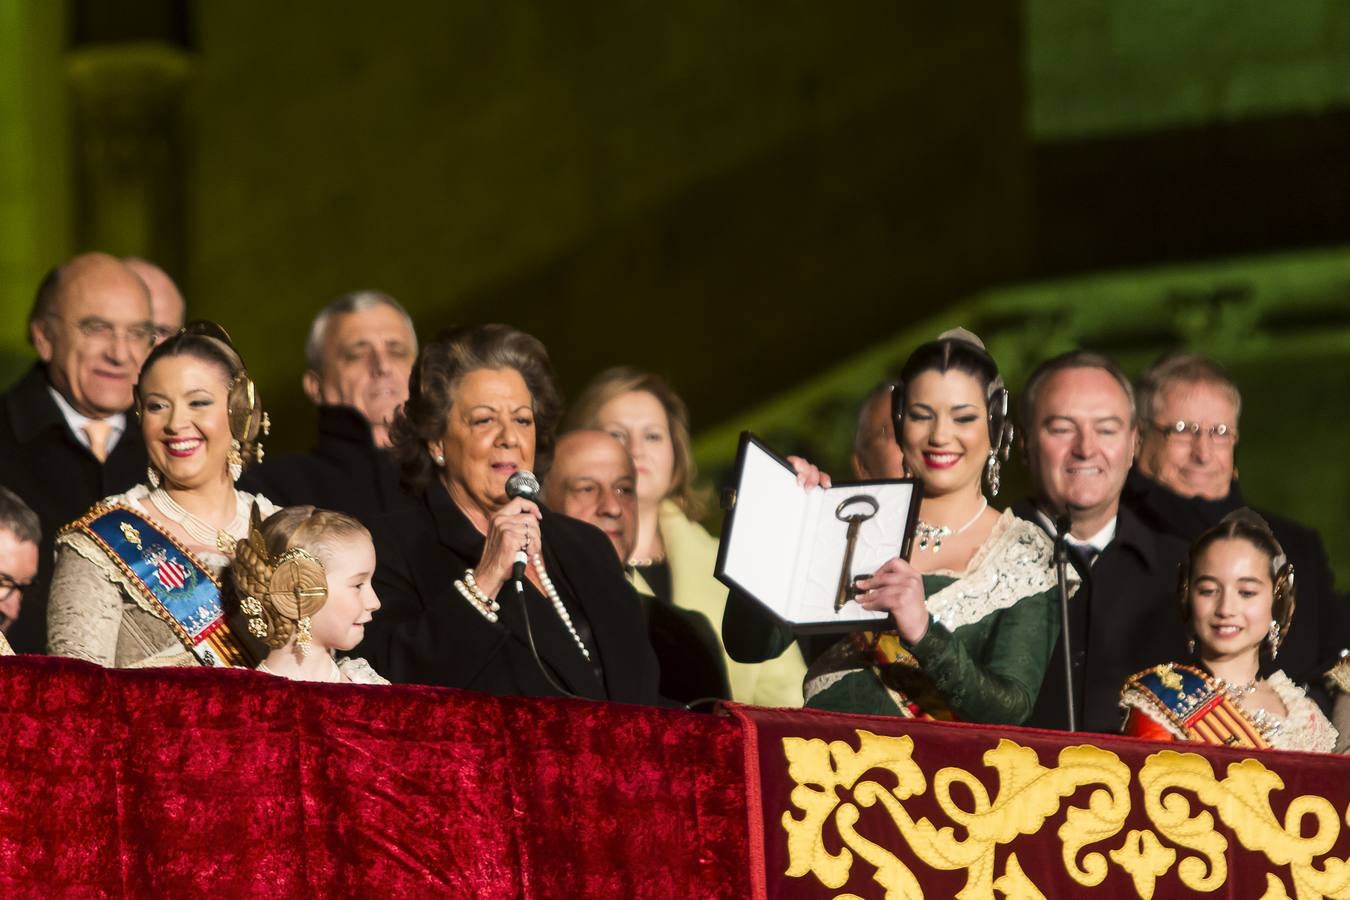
x=188, y=782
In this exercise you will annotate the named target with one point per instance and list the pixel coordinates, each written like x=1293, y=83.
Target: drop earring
x=992, y=472
x=235, y=459
x=152, y=478
x=1273, y=638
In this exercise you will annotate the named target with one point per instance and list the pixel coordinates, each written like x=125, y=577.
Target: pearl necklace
x=489, y=607
x=558, y=604
x=334, y=673
x=202, y=532
x=933, y=534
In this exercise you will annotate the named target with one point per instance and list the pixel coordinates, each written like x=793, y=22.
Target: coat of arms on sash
x=172, y=575
x=169, y=578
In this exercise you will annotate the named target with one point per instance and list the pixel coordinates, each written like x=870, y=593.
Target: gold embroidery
x=1242, y=801
x=131, y=534
x=1028, y=794
x=1145, y=859
x=1182, y=799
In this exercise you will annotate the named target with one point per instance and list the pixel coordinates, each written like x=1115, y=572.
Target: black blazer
x=427, y=633
x=1320, y=629
x=345, y=471
x=55, y=474
x=1125, y=617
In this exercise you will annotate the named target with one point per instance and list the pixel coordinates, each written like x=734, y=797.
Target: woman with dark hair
x=674, y=558
x=137, y=578
x=974, y=613
x=1237, y=600
x=482, y=406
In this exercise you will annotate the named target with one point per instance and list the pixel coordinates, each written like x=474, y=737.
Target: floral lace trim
x=358, y=671
x=1016, y=561
x=1305, y=727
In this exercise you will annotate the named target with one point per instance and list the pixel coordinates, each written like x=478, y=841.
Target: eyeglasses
x=1183, y=432
x=101, y=331
x=8, y=586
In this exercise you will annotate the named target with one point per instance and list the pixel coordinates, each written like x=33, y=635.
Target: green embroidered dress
x=984, y=655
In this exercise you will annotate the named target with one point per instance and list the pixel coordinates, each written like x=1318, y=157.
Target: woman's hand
x=512, y=528
x=897, y=588
x=808, y=476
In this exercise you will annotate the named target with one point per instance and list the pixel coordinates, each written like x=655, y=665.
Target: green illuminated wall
x=35, y=216
x=1110, y=66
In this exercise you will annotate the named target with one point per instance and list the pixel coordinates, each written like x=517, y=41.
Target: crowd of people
x=141, y=525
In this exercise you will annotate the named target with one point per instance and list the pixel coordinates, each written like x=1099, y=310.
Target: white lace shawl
x=1016, y=561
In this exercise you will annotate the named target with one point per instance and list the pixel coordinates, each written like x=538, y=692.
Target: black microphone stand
x=1061, y=570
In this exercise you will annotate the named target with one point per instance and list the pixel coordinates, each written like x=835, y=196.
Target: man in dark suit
x=360, y=353
x=1078, y=427
x=1185, y=482
x=66, y=440
x=592, y=478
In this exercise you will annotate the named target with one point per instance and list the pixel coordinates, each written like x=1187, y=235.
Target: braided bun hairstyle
x=278, y=574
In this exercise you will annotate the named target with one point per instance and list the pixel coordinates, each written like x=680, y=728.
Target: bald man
x=875, y=451
x=592, y=479
x=167, y=307
x=66, y=440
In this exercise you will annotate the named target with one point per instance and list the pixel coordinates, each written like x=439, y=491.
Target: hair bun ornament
x=279, y=595
x=963, y=334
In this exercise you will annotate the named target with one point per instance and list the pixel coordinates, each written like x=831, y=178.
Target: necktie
x=98, y=431
x=1086, y=554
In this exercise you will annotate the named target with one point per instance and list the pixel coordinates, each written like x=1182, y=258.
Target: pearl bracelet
x=480, y=601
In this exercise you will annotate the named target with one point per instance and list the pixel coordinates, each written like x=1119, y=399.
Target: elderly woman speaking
x=481, y=403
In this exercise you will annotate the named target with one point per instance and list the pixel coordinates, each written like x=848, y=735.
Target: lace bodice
x=1305, y=727
x=1015, y=561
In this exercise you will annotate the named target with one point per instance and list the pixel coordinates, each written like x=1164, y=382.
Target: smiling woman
x=974, y=610
x=482, y=407
x=136, y=580
x=1237, y=598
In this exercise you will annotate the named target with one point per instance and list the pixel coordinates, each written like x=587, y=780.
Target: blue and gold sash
x=177, y=587
x=1193, y=702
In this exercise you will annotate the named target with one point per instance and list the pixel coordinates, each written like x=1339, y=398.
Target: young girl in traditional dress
x=1237, y=597
x=303, y=580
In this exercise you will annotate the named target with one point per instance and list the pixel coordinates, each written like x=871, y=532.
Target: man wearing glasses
x=20, y=534
x=66, y=439
x=1185, y=481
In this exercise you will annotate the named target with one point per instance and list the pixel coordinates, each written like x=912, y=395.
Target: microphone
x=1062, y=526
x=522, y=483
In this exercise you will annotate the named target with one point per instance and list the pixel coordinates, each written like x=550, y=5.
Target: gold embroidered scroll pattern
x=818, y=769
x=1028, y=794
x=1242, y=801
